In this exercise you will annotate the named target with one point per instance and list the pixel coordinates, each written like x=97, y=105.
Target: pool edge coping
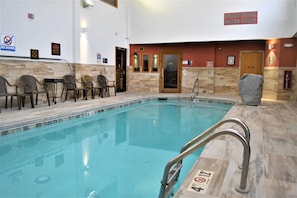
x=47, y=120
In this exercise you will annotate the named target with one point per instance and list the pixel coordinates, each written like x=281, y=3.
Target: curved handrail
x=214, y=127
x=246, y=159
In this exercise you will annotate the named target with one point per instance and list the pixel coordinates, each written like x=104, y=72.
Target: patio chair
x=88, y=83
x=4, y=92
x=31, y=86
x=106, y=84
x=70, y=85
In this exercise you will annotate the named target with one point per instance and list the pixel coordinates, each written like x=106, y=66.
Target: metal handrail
x=214, y=127
x=196, y=93
x=166, y=189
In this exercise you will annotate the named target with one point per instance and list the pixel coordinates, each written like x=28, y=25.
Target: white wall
x=61, y=21
x=135, y=21
x=106, y=29
x=158, y=21
x=52, y=23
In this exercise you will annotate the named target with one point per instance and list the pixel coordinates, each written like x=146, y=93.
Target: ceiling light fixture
x=87, y=3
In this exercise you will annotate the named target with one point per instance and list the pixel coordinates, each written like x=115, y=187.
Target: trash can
x=250, y=89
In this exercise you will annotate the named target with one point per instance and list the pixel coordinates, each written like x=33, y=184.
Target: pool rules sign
x=201, y=181
x=7, y=42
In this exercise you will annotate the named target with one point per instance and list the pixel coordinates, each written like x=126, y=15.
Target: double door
x=251, y=62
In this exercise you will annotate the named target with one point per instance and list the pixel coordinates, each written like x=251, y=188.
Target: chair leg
x=101, y=92
x=11, y=97
x=85, y=93
x=75, y=95
x=5, y=102
x=19, y=102
x=66, y=95
x=36, y=98
x=23, y=99
x=32, y=100
x=48, y=100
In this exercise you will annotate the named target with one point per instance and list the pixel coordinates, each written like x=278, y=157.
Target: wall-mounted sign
x=7, y=42
x=34, y=54
x=56, y=49
x=98, y=57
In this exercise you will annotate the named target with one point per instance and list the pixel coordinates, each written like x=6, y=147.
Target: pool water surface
x=119, y=153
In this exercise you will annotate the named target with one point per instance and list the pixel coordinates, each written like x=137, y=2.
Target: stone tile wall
x=13, y=69
x=205, y=76
x=274, y=83
x=270, y=84
x=218, y=80
x=226, y=80
x=142, y=82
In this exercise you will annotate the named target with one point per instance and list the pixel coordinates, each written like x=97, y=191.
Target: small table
x=54, y=82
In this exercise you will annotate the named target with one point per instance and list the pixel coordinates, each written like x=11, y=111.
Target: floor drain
x=42, y=179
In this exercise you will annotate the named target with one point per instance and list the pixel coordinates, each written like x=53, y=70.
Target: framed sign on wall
x=230, y=60
x=56, y=49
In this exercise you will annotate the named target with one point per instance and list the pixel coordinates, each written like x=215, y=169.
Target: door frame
x=179, y=71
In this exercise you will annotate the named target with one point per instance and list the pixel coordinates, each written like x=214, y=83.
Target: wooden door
x=251, y=62
x=170, y=72
x=121, y=64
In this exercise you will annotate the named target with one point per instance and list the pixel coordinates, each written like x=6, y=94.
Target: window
x=155, y=62
x=145, y=62
x=238, y=18
x=136, y=61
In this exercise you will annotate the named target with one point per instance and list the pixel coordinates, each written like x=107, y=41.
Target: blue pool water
x=119, y=153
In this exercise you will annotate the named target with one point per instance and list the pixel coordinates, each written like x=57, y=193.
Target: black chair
x=31, y=86
x=106, y=84
x=4, y=92
x=70, y=85
x=91, y=84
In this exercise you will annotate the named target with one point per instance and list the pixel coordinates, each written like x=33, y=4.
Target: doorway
x=170, y=73
x=121, y=64
x=251, y=62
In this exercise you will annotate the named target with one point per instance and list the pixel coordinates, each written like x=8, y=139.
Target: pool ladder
x=195, y=90
x=173, y=167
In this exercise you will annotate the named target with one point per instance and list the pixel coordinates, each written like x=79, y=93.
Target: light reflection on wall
x=84, y=46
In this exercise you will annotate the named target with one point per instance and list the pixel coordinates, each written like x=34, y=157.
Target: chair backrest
x=3, y=88
x=87, y=81
x=70, y=82
x=102, y=80
x=29, y=83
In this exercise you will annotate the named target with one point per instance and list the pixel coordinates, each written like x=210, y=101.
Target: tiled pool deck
x=273, y=126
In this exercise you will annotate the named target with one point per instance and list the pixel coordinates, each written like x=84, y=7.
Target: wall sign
x=230, y=60
x=7, y=42
x=34, y=54
x=56, y=49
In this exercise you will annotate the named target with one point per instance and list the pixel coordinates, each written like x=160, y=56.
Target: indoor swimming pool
x=116, y=153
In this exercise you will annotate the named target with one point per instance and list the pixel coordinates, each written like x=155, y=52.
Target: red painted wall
x=283, y=56
x=200, y=53
x=288, y=55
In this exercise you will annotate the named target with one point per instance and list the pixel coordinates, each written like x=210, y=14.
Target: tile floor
x=273, y=126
